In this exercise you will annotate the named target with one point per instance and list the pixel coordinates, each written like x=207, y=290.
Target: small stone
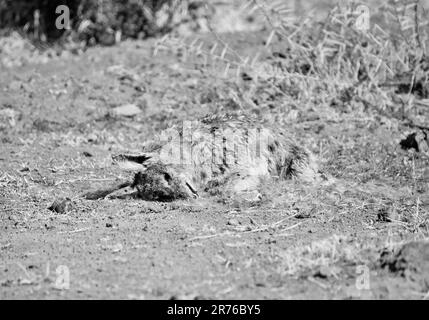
x=120, y=259
x=417, y=140
x=117, y=248
x=233, y=222
x=242, y=228
x=303, y=215
x=327, y=272
x=15, y=85
x=92, y=137
x=61, y=206
x=127, y=110
x=25, y=282
x=8, y=116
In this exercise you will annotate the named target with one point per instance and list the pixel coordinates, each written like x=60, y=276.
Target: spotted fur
x=227, y=154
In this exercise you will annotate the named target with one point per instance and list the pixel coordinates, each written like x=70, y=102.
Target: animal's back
x=229, y=152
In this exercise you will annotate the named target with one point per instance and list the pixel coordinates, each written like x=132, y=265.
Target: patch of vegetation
x=95, y=20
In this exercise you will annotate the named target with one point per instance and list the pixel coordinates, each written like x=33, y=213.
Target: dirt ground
x=363, y=237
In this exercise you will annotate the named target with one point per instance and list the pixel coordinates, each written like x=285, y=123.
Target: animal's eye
x=167, y=177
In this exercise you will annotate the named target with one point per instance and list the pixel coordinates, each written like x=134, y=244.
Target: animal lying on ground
x=219, y=154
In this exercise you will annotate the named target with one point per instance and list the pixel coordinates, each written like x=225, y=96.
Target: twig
x=75, y=231
x=264, y=228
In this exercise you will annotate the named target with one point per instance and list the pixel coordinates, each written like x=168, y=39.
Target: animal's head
x=160, y=182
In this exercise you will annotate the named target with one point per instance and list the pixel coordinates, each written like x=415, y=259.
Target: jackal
x=219, y=154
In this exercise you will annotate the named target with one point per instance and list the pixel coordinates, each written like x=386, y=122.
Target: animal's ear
x=131, y=162
x=130, y=166
x=137, y=158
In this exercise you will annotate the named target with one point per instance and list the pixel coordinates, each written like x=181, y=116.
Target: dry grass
x=333, y=87
x=317, y=64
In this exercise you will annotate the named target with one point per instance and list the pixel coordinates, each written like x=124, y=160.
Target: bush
x=133, y=18
x=37, y=18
